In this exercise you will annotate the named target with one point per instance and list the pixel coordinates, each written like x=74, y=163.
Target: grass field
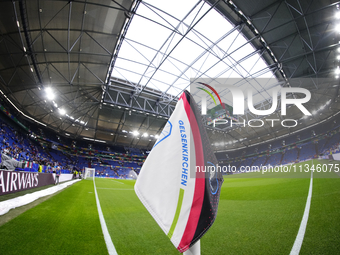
x=256, y=216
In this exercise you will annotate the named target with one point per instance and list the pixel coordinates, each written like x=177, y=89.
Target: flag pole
x=194, y=250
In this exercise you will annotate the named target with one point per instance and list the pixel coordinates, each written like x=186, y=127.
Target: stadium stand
x=260, y=161
x=274, y=159
x=307, y=152
x=290, y=156
x=47, y=149
x=314, y=142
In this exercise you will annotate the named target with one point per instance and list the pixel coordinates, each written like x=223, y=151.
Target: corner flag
x=179, y=183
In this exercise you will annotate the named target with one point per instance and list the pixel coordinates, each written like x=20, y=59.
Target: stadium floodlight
x=135, y=133
x=337, y=71
x=156, y=136
x=337, y=15
x=145, y=135
x=62, y=111
x=49, y=93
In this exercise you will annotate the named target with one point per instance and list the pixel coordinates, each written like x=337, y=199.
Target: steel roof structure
x=111, y=81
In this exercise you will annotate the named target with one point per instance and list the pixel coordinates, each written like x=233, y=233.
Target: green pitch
x=257, y=215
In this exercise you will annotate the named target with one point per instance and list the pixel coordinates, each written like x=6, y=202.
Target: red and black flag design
x=180, y=181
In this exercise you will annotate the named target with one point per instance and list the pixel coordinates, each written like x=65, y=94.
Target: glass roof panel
x=181, y=40
x=141, y=53
x=148, y=37
x=213, y=26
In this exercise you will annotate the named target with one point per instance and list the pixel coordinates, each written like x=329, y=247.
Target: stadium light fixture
x=62, y=111
x=49, y=93
x=337, y=70
x=135, y=133
x=145, y=135
x=337, y=15
x=337, y=28
x=156, y=136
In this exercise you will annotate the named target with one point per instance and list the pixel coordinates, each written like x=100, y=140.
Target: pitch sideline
x=108, y=241
x=301, y=234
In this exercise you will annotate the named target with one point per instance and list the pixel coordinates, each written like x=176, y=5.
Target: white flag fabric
x=174, y=184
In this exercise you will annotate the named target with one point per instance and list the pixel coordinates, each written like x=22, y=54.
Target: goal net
x=89, y=173
x=132, y=175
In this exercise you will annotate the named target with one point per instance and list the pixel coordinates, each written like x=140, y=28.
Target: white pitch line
x=109, y=244
x=118, y=182
x=301, y=234
x=115, y=188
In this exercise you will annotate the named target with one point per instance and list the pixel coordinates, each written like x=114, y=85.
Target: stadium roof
x=115, y=67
